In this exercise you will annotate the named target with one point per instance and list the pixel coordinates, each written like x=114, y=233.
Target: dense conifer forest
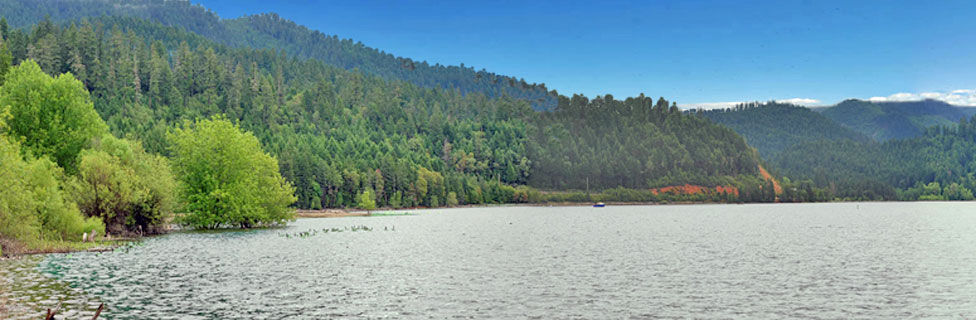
x=338, y=133
x=634, y=143
x=267, y=31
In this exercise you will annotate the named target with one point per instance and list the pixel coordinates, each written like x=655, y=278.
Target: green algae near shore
x=27, y=293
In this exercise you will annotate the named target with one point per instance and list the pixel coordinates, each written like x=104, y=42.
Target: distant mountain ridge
x=884, y=121
x=772, y=127
x=270, y=31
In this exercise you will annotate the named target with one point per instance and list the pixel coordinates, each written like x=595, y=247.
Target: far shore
x=330, y=213
x=352, y=212
x=340, y=213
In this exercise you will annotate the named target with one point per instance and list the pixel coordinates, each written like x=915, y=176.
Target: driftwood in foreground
x=50, y=314
x=99, y=311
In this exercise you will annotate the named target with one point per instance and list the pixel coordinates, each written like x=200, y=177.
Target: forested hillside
x=933, y=163
x=893, y=120
x=772, y=127
x=336, y=133
x=267, y=31
x=939, y=165
x=339, y=134
x=635, y=143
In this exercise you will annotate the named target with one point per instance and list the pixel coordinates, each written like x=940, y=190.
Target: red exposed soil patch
x=695, y=189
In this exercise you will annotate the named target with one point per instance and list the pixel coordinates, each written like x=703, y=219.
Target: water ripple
x=810, y=261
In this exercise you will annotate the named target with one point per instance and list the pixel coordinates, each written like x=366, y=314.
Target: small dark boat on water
x=599, y=205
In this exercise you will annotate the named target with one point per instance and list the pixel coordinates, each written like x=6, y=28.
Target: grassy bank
x=11, y=247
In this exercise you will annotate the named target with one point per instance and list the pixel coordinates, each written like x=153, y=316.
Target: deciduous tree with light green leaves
x=126, y=187
x=226, y=179
x=32, y=204
x=50, y=117
x=365, y=200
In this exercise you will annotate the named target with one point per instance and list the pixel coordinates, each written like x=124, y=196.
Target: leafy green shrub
x=365, y=200
x=226, y=179
x=51, y=117
x=32, y=205
x=122, y=184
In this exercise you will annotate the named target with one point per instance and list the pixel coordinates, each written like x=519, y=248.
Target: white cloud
x=709, y=105
x=800, y=101
x=903, y=96
x=961, y=97
x=726, y=105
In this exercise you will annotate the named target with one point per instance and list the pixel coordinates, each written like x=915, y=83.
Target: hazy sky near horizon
x=706, y=53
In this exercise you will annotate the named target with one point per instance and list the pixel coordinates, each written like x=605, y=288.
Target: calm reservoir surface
x=838, y=260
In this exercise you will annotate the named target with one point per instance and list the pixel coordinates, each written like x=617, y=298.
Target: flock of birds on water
x=314, y=232
x=126, y=246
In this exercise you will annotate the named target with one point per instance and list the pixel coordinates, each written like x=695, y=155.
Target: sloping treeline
x=634, y=143
x=266, y=31
x=338, y=134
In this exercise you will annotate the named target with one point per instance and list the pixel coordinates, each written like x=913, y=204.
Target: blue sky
x=693, y=52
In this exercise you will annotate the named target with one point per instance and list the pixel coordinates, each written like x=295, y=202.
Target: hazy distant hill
x=893, y=120
x=772, y=127
x=266, y=31
x=968, y=111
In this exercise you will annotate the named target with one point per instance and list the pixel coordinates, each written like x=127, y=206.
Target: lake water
x=818, y=261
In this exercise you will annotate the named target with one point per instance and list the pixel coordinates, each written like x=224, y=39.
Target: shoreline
x=15, y=249
x=341, y=213
x=330, y=213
